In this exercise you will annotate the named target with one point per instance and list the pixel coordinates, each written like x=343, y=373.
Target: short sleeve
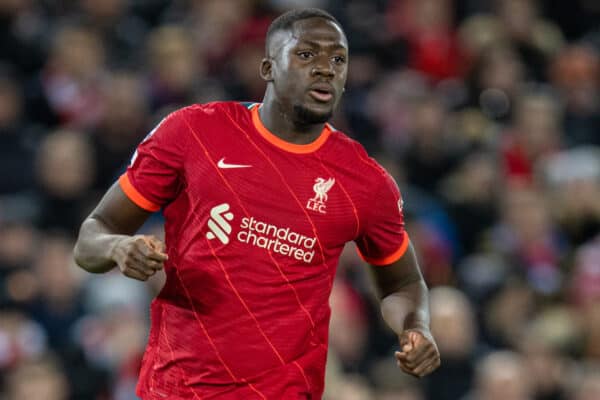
x=384, y=240
x=154, y=175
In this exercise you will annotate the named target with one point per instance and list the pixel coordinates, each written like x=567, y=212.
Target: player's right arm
x=153, y=179
x=106, y=239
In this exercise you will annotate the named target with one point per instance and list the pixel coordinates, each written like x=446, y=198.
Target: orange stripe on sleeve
x=136, y=196
x=395, y=256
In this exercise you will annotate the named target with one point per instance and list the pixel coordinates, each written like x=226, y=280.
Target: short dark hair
x=286, y=20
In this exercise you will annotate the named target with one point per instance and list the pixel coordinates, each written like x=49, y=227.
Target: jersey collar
x=287, y=146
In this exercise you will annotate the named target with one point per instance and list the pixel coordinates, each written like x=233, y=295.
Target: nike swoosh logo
x=223, y=165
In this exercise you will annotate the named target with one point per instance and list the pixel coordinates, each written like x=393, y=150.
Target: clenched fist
x=419, y=354
x=139, y=256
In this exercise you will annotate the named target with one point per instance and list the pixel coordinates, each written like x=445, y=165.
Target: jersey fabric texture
x=254, y=227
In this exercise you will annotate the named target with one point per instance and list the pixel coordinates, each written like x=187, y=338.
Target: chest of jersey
x=298, y=208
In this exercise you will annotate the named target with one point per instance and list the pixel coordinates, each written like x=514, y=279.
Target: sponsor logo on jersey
x=217, y=223
x=272, y=238
x=321, y=187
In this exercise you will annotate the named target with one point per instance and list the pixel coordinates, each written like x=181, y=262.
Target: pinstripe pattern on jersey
x=231, y=285
x=163, y=332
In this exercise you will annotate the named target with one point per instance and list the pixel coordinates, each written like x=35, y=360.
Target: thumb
x=406, y=344
x=414, y=337
x=156, y=244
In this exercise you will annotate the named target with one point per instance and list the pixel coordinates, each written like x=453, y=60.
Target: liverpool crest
x=321, y=187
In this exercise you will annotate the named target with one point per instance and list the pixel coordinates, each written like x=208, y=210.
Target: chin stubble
x=305, y=116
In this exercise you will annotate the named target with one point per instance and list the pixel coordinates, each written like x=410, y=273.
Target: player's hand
x=139, y=256
x=419, y=354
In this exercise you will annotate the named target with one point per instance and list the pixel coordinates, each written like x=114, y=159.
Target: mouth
x=321, y=92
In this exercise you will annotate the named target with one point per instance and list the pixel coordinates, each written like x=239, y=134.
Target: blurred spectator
x=502, y=375
x=546, y=344
x=584, y=287
x=350, y=387
x=481, y=31
x=535, y=133
x=495, y=79
x=587, y=386
x=400, y=394
x=17, y=140
x=17, y=245
x=363, y=71
x=112, y=334
x=453, y=325
x=590, y=315
x=174, y=67
x=391, y=386
x=65, y=174
x=572, y=182
x=18, y=285
x=366, y=30
x=391, y=104
x=433, y=245
x=123, y=124
x=575, y=72
x=348, y=334
x=506, y=313
x=471, y=193
x=246, y=48
x=284, y=5
x=214, y=26
x=120, y=31
x=575, y=18
x=58, y=304
x=481, y=275
x=432, y=231
x=36, y=379
x=66, y=91
x=529, y=239
x=21, y=339
x=535, y=38
x=427, y=26
x=21, y=34
x=430, y=153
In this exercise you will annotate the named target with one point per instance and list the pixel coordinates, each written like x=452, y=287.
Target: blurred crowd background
x=487, y=112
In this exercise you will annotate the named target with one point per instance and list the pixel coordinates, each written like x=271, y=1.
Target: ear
x=266, y=69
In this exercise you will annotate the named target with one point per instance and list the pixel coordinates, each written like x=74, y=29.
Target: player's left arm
x=405, y=308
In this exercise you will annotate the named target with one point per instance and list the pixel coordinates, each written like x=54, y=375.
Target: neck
x=282, y=125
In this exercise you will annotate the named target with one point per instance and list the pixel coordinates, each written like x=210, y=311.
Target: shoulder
x=356, y=155
x=200, y=110
x=216, y=108
x=219, y=112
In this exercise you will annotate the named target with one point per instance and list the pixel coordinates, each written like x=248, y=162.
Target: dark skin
x=313, y=56
x=305, y=70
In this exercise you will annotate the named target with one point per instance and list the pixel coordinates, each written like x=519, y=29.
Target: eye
x=305, y=55
x=339, y=59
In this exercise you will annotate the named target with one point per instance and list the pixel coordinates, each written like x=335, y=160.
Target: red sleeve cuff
x=395, y=256
x=136, y=196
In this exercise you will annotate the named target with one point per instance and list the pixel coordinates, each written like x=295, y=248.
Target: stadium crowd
x=486, y=112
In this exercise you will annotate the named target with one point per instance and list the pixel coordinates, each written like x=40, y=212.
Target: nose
x=323, y=67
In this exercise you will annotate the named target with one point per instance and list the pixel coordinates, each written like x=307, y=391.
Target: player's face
x=310, y=63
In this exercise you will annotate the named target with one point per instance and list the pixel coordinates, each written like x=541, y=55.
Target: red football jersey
x=254, y=229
